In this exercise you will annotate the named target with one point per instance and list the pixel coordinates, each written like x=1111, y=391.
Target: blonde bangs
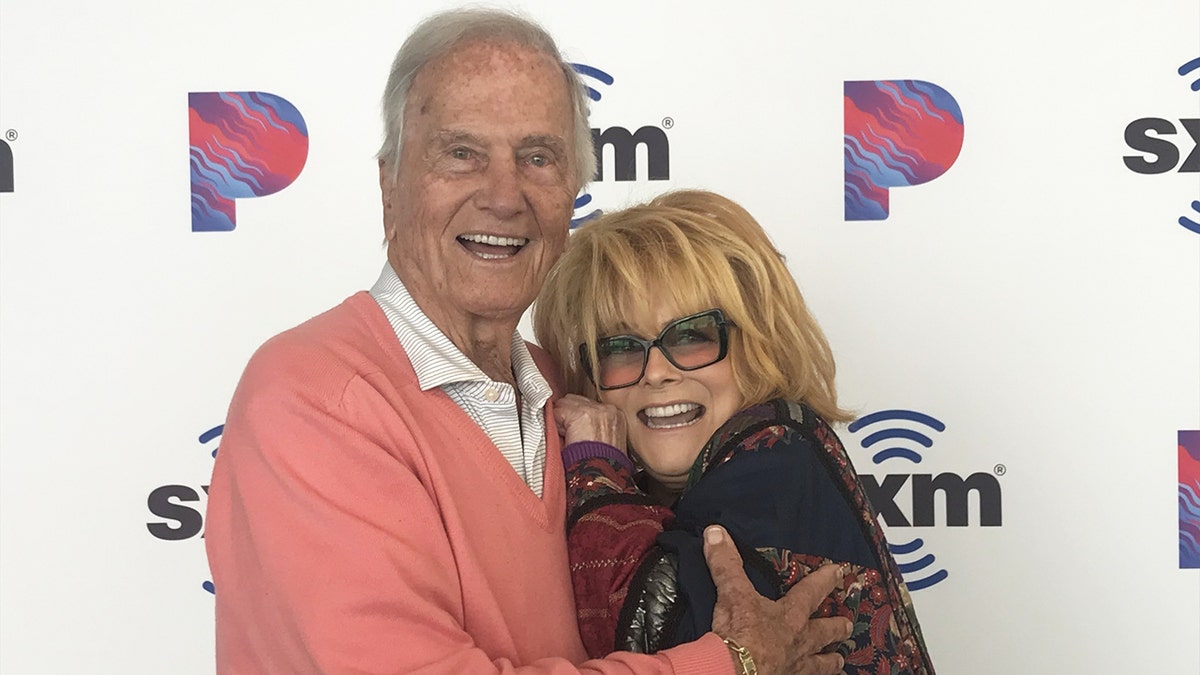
x=647, y=262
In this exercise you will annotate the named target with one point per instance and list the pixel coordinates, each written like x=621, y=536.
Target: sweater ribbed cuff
x=581, y=450
x=707, y=655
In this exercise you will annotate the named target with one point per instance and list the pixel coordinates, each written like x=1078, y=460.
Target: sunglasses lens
x=694, y=343
x=621, y=361
x=689, y=343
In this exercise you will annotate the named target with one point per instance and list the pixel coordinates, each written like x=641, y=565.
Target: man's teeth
x=671, y=410
x=492, y=240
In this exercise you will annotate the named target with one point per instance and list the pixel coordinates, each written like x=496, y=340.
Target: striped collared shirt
x=519, y=435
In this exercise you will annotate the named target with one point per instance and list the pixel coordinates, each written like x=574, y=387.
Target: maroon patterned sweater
x=614, y=542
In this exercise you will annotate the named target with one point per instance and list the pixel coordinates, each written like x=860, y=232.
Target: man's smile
x=490, y=246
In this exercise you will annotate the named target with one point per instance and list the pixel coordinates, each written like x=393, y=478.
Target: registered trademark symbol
x=667, y=123
x=1000, y=469
x=11, y=134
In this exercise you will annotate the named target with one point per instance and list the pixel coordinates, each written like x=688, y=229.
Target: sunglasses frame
x=722, y=344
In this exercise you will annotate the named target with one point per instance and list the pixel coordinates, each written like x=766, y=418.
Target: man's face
x=482, y=204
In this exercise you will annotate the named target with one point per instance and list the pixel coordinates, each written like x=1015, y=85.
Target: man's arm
x=317, y=570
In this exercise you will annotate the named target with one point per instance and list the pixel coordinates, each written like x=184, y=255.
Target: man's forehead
x=483, y=83
x=484, y=58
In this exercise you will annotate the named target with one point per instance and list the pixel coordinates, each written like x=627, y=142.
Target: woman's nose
x=658, y=369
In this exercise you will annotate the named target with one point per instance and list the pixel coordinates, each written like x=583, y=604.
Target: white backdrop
x=1039, y=298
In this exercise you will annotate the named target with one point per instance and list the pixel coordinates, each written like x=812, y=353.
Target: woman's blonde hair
x=694, y=250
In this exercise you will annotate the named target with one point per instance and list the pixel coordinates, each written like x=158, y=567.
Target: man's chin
x=498, y=306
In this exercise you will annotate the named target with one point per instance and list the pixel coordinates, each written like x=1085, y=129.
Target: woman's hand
x=779, y=635
x=582, y=419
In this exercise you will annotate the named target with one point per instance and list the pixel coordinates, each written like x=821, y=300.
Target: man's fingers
x=820, y=633
x=806, y=596
x=822, y=664
x=724, y=563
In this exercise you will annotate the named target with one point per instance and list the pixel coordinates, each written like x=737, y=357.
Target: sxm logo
x=897, y=133
x=624, y=145
x=900, y=436
x=178, y=508
x=1146, y=134
x=244, y=144
x=1189, y=499
x=7, y=170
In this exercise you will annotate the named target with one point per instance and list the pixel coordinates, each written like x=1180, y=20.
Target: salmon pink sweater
x=359, y=525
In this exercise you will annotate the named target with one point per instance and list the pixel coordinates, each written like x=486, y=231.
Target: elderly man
x=389, y=493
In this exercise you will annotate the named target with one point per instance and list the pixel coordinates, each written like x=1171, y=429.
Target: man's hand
x=779, y=635
x=582, y=419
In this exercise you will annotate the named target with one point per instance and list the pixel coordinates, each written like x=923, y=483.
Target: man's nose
x=501, y=190
x=658, y=369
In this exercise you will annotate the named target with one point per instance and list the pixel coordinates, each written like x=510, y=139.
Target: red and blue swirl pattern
x=1189, y=499
x=243, y=144
x=897, y=133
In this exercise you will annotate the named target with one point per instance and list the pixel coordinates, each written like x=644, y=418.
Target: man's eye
x=539, y=160
x=460, y=153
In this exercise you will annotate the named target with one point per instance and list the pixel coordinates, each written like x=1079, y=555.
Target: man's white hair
x=441, y=33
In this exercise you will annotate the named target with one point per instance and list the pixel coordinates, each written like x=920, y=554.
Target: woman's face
x=671, y=413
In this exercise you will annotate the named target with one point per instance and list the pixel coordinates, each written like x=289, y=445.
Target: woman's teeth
x=672, y=416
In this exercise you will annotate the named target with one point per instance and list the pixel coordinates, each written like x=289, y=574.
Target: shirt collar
x=436, y=360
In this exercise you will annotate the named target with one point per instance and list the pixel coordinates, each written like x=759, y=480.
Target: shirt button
x=491, y=395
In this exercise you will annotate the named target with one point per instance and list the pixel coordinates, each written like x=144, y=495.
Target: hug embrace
x=400, y=476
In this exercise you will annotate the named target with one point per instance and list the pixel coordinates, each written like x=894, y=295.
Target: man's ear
x=386, y=184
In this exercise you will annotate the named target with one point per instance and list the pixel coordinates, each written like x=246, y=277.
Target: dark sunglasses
x=690, y=343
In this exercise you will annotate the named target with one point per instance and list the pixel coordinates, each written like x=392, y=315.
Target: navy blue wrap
x=780, y=494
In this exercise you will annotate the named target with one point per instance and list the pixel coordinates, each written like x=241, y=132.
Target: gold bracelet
x=742, y=656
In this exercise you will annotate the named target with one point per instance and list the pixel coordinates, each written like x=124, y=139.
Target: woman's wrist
x=578, y=451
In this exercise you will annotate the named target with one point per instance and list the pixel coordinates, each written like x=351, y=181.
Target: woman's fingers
x=582, y=419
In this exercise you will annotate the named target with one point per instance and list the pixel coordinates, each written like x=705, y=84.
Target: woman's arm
x=611, y=524
x=610, y=528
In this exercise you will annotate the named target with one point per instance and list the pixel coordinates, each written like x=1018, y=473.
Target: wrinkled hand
x=582, y=419
x=779, y=635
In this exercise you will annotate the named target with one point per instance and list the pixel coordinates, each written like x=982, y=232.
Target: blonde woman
x=678, y=324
